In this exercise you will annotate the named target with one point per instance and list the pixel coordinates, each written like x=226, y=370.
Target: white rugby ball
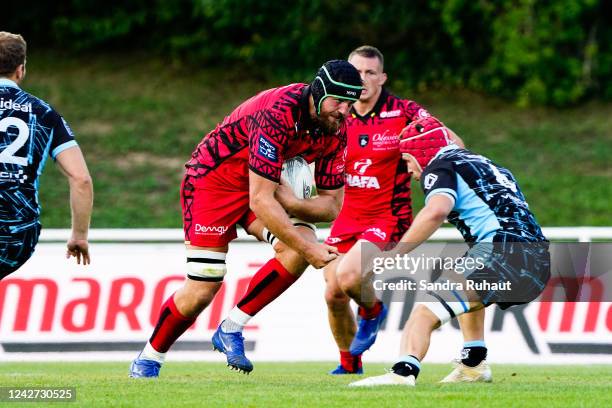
x=298, y=175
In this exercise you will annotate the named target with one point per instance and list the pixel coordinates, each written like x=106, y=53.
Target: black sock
x=472, y=356
x=405, y=368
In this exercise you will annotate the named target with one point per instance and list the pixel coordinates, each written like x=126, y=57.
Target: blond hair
x=368, y=51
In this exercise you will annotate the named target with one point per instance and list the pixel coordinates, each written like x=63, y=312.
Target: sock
x=407, y=365
x=235, y=321
x=267, y=284
x=149, y=353
x=350, y=362
x=370, y=313
x=170, y=325
x=473, y=356
x=473, y=353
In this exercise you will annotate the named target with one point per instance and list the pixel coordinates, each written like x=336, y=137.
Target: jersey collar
x=304, y=105
x=445, y=149
x=375, y=109
x=8, y=82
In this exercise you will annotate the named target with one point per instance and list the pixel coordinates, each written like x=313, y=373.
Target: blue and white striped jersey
x=30, y=130
x=489, y=205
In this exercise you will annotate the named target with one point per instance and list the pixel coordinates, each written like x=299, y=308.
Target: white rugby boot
x=385, y=379
x=462, y=373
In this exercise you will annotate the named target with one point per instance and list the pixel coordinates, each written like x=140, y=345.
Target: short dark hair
x=12, y=52
x=368, y=51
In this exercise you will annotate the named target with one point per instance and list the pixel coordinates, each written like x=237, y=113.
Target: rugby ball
x=296, y=172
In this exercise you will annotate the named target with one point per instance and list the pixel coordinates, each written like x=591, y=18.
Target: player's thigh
x=210, y=213
x=354, y=261
x=253, y=226
x=287, y=256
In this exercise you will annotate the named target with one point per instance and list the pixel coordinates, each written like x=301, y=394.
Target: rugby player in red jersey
x=233, y=178
x=376, y=208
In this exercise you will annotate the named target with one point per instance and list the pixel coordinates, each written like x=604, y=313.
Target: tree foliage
x=535, y=52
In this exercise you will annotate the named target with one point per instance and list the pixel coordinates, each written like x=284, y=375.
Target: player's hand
x=285, y=196
x=79, y=248
x=319, y=255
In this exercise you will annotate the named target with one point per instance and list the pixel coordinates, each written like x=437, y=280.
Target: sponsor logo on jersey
x=333, y=240
x=210, y=229
x=362, y=181
x=385, y=140
x=13, y=177
x=340, y=167
x=378, y=232
x=363, y=140
x=362, y=165
x=68, y=129
x=422, y=113
x=10, y=105
x=390, y=114
x=429, y=181
x=267, y=149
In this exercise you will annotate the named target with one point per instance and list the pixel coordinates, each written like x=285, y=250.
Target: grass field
x=138, y=119
x=307, y=385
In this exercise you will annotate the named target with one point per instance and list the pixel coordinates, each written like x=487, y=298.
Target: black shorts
x=522, y=269
x=17, y=244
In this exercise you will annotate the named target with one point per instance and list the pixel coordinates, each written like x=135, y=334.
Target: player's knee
x=349, y=280
x=290, y=259
x=436, y=313
x=194, y=296
x=348, y=274
x=349, y=271
x=205, y=266
x=423, y=316
x=336, y=298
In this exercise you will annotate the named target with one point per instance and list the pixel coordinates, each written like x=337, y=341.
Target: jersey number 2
x=8, y=154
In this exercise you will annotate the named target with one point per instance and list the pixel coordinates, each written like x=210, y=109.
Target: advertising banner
x=53, y=309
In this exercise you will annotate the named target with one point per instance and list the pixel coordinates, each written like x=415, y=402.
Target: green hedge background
x=525, y=83
x=532, y=52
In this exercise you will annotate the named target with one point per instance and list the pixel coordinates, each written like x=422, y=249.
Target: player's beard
x=329, y=123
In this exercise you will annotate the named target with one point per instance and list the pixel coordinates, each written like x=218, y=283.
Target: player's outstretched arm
x=72, y=164
x=273, y=215
x=324, y=207
x=427, y=221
